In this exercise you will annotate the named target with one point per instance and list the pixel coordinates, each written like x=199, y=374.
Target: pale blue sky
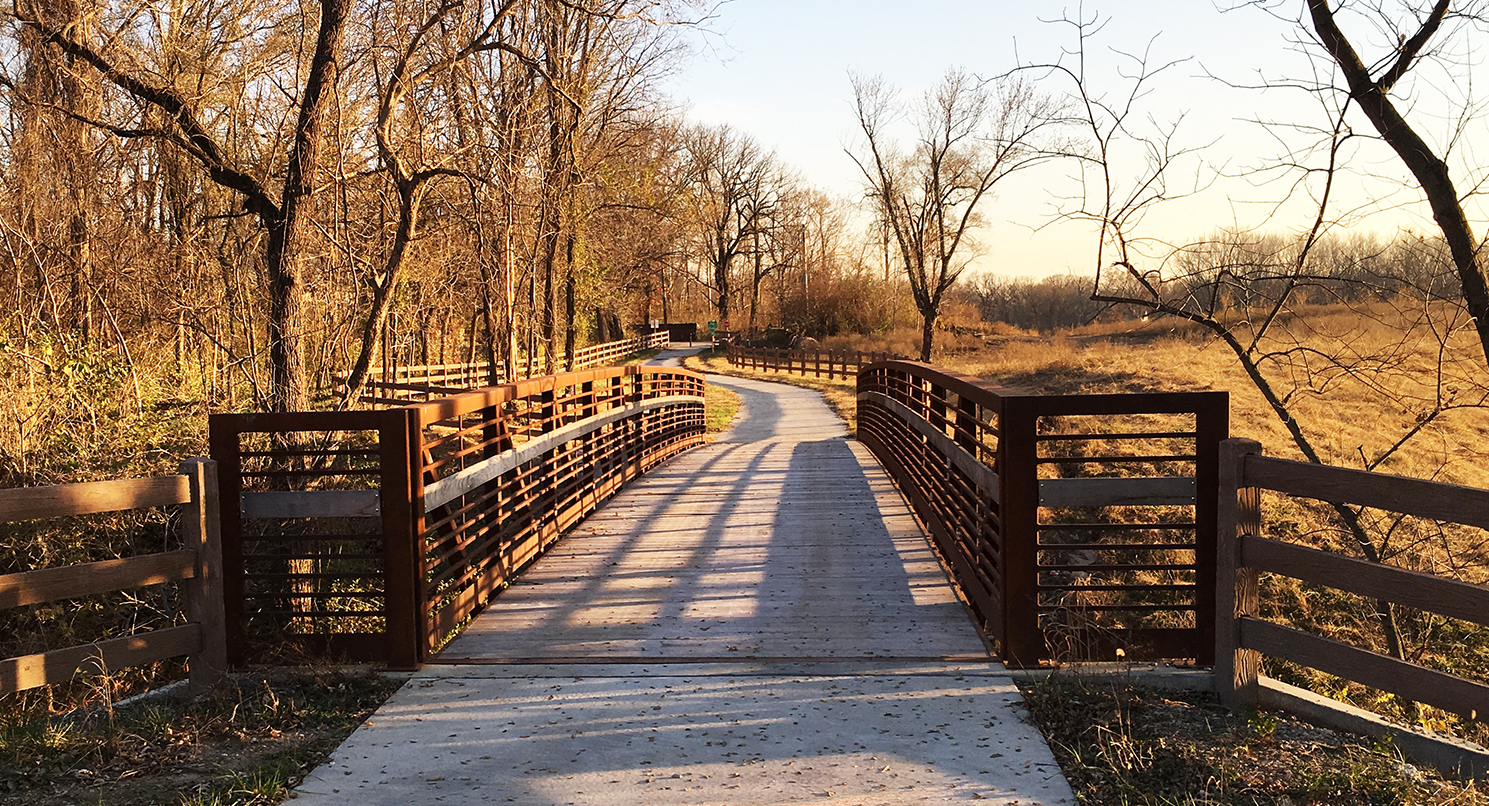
x=778, y=69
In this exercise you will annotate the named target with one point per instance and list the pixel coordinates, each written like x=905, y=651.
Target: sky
x=779, y=71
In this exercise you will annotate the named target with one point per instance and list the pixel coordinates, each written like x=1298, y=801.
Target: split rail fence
x=834, y=363
x=376, y=535
x=1245, y=554
x=198, y=564
x=1075, y=525
x=392, y=385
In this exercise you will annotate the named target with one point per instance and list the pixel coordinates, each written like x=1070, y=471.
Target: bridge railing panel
x=397, y=385
x=317, y=525
x=1075, y=525
x=375, y=535
x=831, y=364
x=506, y=471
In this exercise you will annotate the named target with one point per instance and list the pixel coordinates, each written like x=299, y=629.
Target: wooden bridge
x=778, y=616
x=760, y=620
x=1072, y=525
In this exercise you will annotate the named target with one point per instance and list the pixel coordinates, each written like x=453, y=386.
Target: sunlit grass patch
x=1118, y=743
x=248, y=744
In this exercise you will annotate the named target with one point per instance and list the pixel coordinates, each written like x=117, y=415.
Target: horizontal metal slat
x=313, y=504
x=1136, y=491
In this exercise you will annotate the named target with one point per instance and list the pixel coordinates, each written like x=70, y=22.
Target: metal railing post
x=402, y=560
x=1023, y=640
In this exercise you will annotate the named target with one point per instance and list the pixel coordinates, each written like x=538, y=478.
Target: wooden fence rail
x=199, y=564
x=1244, y=554
x=1075, y=525
x=394, y=385
x=377, y=534
x=834, y=363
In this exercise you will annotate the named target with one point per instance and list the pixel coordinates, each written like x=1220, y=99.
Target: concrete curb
x=1159, y=676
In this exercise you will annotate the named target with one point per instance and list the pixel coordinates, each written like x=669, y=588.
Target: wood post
x=1236, y=586
x=202, y=522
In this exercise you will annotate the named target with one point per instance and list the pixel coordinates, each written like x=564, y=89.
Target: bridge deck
x=760, y=621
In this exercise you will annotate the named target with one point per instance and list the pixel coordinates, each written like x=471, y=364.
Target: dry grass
x=1124, y=745
x=719, y=406
x=248, y=744
x=1345, y=412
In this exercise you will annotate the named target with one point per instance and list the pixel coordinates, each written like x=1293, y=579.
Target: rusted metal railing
x=373, y=535
x=504, y=471
x=817, y=363
x=394, y=385
x=1075, y=525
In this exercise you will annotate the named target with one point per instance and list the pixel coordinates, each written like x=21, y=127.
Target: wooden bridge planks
x=785, y=541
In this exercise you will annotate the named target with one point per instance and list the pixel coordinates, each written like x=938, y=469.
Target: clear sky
x=779, y=70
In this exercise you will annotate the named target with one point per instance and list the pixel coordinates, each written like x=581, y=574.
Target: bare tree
x=286, y=218
x=1369, y=84
x=425, y=58
x=734, y=188
x=1272, y=301
x=970, y=135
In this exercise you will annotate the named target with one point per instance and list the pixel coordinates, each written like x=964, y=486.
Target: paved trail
x=760, y=621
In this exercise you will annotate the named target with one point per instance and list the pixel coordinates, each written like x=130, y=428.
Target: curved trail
x=759, y=621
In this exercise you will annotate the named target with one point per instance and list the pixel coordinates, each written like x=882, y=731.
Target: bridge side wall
x=374, y=536
x=1078, y=527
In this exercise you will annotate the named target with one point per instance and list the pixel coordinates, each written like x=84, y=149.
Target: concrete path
x=761, y=621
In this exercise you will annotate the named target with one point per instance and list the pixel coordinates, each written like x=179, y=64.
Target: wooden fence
x=374, y=535
x=199, y=565
x=1075, y=525
x=398, y=385
x=833, y=363
x=1244, y=554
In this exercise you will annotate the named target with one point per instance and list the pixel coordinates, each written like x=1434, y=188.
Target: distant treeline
x=1228, y=271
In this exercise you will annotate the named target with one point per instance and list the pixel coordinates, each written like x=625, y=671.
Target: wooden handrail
x=1242, y=637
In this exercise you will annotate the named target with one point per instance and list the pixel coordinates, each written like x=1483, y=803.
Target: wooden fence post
x=202, y=521
x=1236, y=586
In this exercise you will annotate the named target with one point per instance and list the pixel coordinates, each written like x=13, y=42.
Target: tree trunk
x=1430, y=171
x=721, y=283
x=927, y=333
x=569, y=335
x=287, y=248
x=382, y=292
